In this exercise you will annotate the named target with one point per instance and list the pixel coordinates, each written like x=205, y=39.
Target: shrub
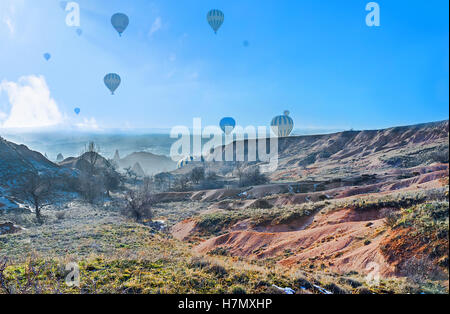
x=218, y=271
x=238, y=290
x=391, y=217
x=60, y=215
x=197, y=174
x=300, y=282
x=335, y=289
x=253, y=176
x=198, y=262
x=139, y=205
x=91, y=187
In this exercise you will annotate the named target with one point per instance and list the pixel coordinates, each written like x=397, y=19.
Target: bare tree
x=91, y=187
x=162, y=179
x=112, y=178
x=139, y=204
x=38, y=190
x=197, y=174
x=252, y=176
x=239, y=171
x=182, y=182
x=91, y=155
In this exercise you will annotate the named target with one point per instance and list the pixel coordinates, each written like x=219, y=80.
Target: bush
x=335, y=289
x=302, y=282
x=391, y=217
x=91, y=187
x=253, y=176
x=211, y=181
x=139, y=205
x=60, y=215
x=198, y=262
x=218, y=271
x=238, y=290
x=197, y=174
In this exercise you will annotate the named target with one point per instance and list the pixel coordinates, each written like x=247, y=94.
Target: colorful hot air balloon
x=282, y=125
x=77, y=110
x=183, y=162
x=112, y=81
x=227, y=125
x=215, y=19
x=120, y=22
x=47, y=56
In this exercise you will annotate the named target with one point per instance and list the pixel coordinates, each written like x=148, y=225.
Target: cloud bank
x=30, y=105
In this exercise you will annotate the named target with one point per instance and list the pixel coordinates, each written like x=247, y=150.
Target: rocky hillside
x=150, y=163
x=351, y=152
x=15, y=160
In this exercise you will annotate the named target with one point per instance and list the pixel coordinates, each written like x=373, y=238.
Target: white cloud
x=31, y=104
x=156, y=26
x=8, y=10
x=9, y=24
x=88, y=124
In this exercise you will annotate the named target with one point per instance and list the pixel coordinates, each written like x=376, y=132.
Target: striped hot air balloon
x=185, y=161
x=112, y=81
x=120, y=22
x=215, y=19
x=282, y=125
x=227, y=125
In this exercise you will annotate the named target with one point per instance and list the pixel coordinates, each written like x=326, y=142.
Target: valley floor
x=339, y=245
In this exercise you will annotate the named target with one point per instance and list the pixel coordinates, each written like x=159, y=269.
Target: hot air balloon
x=282, y=125
x=215, y=19
x=77, y=110
x=79, y=31
x=185, y=161
x=227, y=125
x=47, y=56
x=112, y=81
x=245, y=43
x=120, y=22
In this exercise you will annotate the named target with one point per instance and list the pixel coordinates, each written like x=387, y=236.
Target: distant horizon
x=166, y=131
x=71, y=143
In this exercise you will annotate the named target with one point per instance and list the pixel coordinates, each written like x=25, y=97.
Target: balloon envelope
x=227, y=125
x=120, y=22
x=185, y=161
x=112, y=81
x=47, y=56
x=77, y=111
x=282, y=125
x=79, y=32
x=215, y=19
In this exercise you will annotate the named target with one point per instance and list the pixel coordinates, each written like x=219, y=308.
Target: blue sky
x=316, y=58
